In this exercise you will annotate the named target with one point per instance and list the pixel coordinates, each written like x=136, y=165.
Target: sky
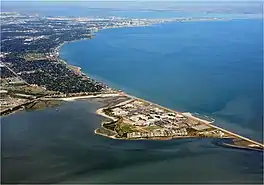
x=160, y=1
x=243, y=5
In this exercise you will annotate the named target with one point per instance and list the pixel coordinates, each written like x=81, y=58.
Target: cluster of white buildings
x=158, y=133
x=145, y=115
x=179, y=132
x=153, y=121
x=119, y=112
x=218, y=133
x=28, y=40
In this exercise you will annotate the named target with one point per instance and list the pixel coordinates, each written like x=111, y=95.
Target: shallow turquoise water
x=213, y=68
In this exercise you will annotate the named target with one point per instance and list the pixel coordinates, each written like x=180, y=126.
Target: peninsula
x=33, y=76
x=134, y=118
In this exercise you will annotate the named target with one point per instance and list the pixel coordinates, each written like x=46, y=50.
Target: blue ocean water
x=213, y=68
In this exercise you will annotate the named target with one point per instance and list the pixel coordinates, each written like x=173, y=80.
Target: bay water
x=58, y=145
x=211, y=68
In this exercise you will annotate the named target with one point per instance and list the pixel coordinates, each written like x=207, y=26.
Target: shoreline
x=191, y=116
x=57, y=49
x=187, y=114
x=240, y=147
x=224, y=130
x=89, y=96
x=165, y=21
x=178, y=20
x=116, y=92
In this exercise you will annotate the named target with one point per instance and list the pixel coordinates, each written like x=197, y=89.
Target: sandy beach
x=189, y=115
x=101, y=113
x=89, y=96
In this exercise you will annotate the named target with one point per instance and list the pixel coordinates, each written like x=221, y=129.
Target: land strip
x=137, y=116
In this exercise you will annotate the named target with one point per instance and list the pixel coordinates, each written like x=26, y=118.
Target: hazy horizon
x=244, y=7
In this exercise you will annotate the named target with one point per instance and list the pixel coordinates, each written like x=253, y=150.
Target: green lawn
x=151, y=128
x=126, y=128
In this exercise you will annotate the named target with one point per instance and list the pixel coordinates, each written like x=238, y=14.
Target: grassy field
x=122, y=128
x=126, y=128
x=26, y=89
x=151, y=128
